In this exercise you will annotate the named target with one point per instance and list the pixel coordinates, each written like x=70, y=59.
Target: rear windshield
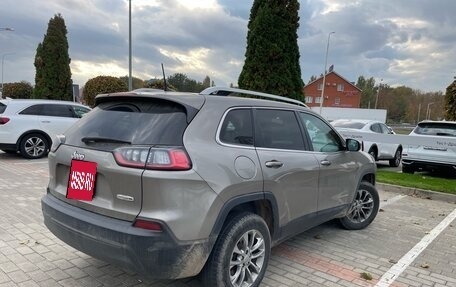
x=2, y=108
x=153, y=122
x=348, y=125
x=436, y=129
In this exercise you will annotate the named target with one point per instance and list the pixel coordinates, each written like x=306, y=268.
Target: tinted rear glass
x=155, y=122
x=348, y=125
x=2, y=108
x=436, y=129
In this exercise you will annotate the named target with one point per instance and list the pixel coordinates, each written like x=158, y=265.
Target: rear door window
x=52, y=110
x=152, y=122
x=278, y=129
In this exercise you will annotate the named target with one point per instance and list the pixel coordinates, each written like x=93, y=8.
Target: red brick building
x=338, y=92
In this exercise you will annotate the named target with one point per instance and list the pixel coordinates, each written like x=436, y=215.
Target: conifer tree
x=52, y=63
x=272, y=54
x=450, y=102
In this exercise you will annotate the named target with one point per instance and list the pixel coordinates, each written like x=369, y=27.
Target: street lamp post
x=3, y=60
x=324, y=74
x=428, y=111
x=129, y=47
x=378, y=92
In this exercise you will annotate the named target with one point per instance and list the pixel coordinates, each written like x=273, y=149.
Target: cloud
x=408, y=44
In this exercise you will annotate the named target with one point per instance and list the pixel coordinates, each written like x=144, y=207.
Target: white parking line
x=395, y=271
x=392, y=200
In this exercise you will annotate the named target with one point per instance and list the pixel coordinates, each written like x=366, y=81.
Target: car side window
x=385, y=129
x=237, y=127
x=277, y=129
x=57, y=111
x=322, y=136
x=36, y=110
x=376, y=128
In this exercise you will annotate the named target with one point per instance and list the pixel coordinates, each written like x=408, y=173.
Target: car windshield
x=436, y=129
x=348, y=125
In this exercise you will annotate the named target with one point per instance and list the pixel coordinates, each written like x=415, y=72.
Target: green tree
x=450, y=102
x=159, y=84
x=207, y=82
x=369, y=91
x=137, y=83
x=52, y=63
x=102, y=85
x=272, y=54
x=182, y=83
x=19, y=90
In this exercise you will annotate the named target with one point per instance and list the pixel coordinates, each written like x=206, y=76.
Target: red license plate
x=81, y=184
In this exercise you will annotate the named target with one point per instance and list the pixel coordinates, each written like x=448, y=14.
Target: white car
x=378, y=150
x=28, y=126
x=422, y=157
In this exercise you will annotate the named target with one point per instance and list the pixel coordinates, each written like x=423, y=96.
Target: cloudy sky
x=403, y=42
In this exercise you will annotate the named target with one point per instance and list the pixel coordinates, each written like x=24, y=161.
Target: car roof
x=15, y=105
x=363, y=121
x=196, y=100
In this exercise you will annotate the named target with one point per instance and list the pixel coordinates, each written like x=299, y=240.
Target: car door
x=388, y=149
x=337, y=166
x=290, y=171
x=56, y=118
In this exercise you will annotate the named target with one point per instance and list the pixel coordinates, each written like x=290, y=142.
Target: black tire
x=363, y=209
x=34, y=146
x=218, y=271
x=373, y=153
x=396, y=161
x=407, y=169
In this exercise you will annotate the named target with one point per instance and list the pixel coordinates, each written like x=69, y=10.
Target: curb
x=416, y=192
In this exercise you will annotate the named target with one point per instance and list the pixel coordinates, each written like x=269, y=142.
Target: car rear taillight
x=4, y=120
x=153, y=158
x=147, y=224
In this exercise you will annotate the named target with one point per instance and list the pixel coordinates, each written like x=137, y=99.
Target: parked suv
x=29, y=126
x=392, y=152
x=422, y=157
x=173, y=184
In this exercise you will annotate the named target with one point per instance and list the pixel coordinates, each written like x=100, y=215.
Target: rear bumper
x=151, y=254
x=426, y=165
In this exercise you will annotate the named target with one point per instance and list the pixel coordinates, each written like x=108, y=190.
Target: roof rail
x=223, y=91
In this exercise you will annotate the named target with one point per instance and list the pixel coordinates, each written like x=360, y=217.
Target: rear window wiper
x=103, y=140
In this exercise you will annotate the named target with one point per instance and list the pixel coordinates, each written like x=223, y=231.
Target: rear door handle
x=45, y=122
x=274, y=164
x=325, y=162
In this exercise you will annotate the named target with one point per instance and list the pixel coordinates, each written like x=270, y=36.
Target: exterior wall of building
x=338, y=92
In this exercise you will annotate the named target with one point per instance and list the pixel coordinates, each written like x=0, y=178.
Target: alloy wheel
x=247, y=259
x=362, y=206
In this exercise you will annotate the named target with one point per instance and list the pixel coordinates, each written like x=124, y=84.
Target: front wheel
x=240, y=255
x=363, y=209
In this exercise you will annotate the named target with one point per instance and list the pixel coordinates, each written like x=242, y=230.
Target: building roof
x=333, y=72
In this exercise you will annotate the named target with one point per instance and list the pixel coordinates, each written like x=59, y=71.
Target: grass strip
x=417, y=180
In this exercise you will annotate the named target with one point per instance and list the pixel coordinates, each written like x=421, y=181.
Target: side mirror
x=352, y=145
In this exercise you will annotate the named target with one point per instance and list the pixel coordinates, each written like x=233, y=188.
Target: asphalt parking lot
x=412, y=242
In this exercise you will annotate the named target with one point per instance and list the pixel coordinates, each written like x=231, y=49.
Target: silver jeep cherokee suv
x=173, y=184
